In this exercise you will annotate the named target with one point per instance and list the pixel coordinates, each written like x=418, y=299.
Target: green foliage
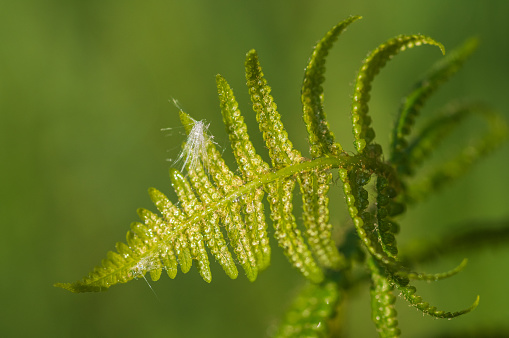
x=221, y=212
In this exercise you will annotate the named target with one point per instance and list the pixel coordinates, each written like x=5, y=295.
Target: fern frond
x=438, y=276
x=365, y=222
x=280, y=148
x=416, y=301
x=321, y=138
x=362, y=131
x=177, y=244
x=176, y=249
x=220, y=211
x=282, y=153
x=286, y=232
x=384, y=281
x=186, y=232
x=412, y=104
x=249, y=162
x=191, y=206
x=251, y=166
x=314, y=186
x=240, y=237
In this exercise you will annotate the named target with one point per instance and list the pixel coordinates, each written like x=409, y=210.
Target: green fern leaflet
x=221, y=214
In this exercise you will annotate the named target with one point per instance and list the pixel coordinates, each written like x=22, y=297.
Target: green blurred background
x=84, y=91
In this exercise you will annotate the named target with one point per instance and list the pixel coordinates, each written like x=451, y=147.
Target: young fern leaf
x=251, y=166
x=184, y=233
x=282, y=153
x=321, y=139
x=191, y=205
x=365, y=221
x=212, y=235
x=412, y=104
x=314, y=186
x=280, y=148
x=362, y=131
x=437, y=276
x=416, y=301
x=220, y=210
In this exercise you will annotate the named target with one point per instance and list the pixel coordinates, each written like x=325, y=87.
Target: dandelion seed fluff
x=195, y=148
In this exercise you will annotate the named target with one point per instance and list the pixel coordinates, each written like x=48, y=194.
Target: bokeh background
x=84, y=93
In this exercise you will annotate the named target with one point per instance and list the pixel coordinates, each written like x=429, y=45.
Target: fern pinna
x=221, y=212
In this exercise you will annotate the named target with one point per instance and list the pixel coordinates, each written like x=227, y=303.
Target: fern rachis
x=222, y=212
